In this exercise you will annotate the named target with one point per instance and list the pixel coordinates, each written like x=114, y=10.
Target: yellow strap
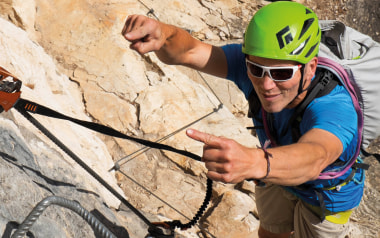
x=334, y=217
x=337, y=186
x=339, y=217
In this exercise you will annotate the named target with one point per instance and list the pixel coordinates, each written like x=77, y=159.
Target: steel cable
x=74, y=206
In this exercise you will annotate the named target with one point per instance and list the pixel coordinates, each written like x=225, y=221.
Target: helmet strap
x=301, y=84
x=302, y=81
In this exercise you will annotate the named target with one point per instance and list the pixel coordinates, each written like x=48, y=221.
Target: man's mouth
x=270, y=96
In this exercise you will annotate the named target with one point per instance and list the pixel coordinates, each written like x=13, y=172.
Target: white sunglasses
x=278, y=74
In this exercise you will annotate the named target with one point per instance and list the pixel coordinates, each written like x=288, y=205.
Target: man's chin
x=271, y=109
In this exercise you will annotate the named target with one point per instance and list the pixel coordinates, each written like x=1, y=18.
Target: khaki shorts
x=281, y=212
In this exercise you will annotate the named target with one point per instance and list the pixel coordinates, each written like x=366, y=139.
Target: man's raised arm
x=173, y=45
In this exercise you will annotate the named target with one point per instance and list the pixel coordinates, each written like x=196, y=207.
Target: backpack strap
x=345, y=78
x=324, y=82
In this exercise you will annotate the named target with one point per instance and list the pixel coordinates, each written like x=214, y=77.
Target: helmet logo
x=284, y=37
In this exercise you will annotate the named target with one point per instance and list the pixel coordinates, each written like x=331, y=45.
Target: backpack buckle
x=327, y=78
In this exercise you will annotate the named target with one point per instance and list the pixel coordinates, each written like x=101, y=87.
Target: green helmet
x=283, y=30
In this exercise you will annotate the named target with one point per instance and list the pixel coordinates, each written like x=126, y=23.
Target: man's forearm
x=294, y=164
x=180, y=48
x=303, y=161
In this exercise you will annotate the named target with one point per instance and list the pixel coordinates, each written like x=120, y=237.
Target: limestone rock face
x=71, y=57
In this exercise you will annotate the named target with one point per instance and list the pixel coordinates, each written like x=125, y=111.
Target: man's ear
x=312, y=67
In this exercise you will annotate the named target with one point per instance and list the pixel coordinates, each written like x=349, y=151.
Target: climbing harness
x=10, y=97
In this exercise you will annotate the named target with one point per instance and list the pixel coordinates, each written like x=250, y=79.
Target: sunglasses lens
x=276, y=73
x=281, y=74
x=255, y=70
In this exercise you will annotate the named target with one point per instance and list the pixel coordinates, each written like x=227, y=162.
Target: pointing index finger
x=205, y=138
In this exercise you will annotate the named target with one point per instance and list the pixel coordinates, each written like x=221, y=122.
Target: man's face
x=275, y=95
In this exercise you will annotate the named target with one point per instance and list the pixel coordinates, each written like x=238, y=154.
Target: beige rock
x=44, y=85
x=93, y=75
x=233, y=211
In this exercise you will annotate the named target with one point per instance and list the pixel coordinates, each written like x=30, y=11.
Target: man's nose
x=268, y=82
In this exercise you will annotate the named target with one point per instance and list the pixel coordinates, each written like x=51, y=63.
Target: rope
x=98, y=227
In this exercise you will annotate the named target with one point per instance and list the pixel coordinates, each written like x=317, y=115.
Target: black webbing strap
x=42, y=110
x=25, y=106
x=367, y=154
x=323, y=84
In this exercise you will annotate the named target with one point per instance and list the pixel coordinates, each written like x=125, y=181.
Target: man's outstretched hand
x=226, y=160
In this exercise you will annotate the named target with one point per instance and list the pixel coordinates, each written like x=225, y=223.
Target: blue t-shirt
x=333, y=112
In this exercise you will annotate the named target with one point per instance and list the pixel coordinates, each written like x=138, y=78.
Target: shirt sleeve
x=237, y=70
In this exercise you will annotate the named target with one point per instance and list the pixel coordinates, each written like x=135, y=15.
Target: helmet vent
x=311, y=50
x=300, y=48
x=306, y=25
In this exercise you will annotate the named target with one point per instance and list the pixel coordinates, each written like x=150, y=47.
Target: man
x=274, y=68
